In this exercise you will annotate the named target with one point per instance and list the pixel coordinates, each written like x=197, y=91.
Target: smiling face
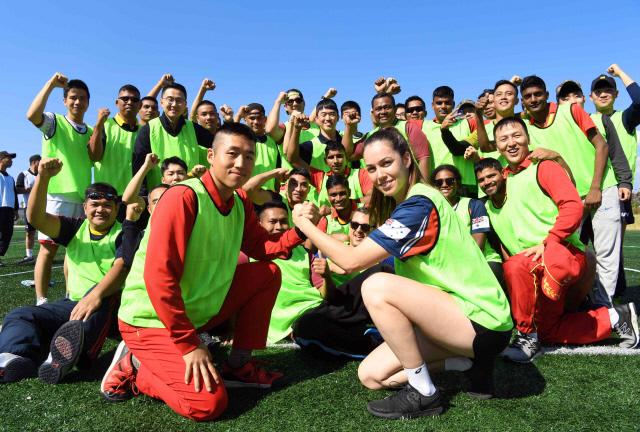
x=356, y=236
x=447, y=184
x=387, y=169
x=297, y=189
x=415, y=110
x=327, y=120
x=174, y=103
x=401, y=113
x=208, y=117
x=490, y=181
x=101, y=213
x=383, y=111
x=573, y=97
x=603, y=98
x=77, y=102
x=512, y=142
x=257, y=121
x=339, y=197
x=232, y=159
x=535, y=99
x=504, y=100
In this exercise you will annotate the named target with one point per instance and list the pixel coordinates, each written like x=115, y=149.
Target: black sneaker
x=27, y=260
x=406, y=403
x=15, y=368
x=66, y=346
x=627, y=327
x=524, y=349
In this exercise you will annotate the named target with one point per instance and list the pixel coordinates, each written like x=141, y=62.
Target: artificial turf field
x=556, y=393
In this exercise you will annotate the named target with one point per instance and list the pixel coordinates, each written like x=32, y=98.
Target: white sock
x=420, y=380
x=459, y=364
x=613, y=317
x=29, y=253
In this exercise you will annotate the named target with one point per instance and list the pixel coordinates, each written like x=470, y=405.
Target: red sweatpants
x=161, y=374
x=533, y=311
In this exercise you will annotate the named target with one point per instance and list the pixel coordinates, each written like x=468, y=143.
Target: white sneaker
x=41, y=300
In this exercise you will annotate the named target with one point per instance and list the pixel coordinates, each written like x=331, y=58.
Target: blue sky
x=253, y=50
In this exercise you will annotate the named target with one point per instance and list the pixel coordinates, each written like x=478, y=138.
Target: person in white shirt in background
x=24, y=183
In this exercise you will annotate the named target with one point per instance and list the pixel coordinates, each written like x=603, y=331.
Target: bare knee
x=375, y=290
x=369, y=378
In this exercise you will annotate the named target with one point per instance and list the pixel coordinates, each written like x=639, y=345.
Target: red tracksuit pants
x=161, y=374
x=533, y=311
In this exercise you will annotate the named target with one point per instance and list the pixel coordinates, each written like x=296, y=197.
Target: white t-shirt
x=8, y=196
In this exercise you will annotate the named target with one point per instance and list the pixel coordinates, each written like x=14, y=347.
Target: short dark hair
x=300, y=171
x=504, y=81
x=383, y=95
x=532, y=81
x=446, y=167
x=34, y=158
x=253, y=106
x=443, y=91
x=328, y=104
x=337, y=180
x=175, y=86
x=400, y=105
x=362, y=209
x=149, y=98
x=485, y=163
x=206, y=102
x=272, y=204
x=75, y=84
x=350, y=105
x=415, y=98
x=100, y=187
x=485, y=91
x=295, y=90
x=239, y=129
x=334, y=146
x=131, y=88
x=175, y=160
x=510, y=121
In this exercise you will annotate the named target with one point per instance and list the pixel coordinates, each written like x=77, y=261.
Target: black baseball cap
x=566, y=87
x=603, y=81
x=34, y=158
x=5, y=154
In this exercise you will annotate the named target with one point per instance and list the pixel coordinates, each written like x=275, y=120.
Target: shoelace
x=125, y=379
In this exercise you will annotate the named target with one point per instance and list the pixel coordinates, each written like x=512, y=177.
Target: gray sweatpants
x=607, y=238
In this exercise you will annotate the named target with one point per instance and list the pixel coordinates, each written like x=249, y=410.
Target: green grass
x=557, y=393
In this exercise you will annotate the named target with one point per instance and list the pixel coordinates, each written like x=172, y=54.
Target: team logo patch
x=394, y=229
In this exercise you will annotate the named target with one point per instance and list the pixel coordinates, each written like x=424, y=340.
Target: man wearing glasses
x=112, y=141
x=414, y=108
x=171, y=135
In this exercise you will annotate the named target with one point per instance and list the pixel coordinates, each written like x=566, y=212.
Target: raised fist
x=49, y=167
x=330, y=93
x=167, y=79
x=207, y=84
x=103, y=115
x=59, y=80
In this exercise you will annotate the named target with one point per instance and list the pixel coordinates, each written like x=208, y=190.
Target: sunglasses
x=102, y=195
x=364, y=227
x=414, y=109
x=441, y=182
x=132, y=99
x=296, y=100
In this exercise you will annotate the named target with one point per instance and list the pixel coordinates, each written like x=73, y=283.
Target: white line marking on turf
x=591, y=350
x=632, y=270
x=28, y=271
x=635, y=247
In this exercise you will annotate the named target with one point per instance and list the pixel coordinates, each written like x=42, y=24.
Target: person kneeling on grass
x=185, y=279
x=73, y=329
x=443, y=303
x=535, y=209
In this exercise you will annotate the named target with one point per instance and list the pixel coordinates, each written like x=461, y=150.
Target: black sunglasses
x=363, y=227
x=102, y=195
x=449, y=181
x=414, y=109
x=296, y=100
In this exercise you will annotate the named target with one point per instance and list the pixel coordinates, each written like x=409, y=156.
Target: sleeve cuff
x=300, y=234
x=187, y=343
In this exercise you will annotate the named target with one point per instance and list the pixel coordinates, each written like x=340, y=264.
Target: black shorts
x=28, y=227
x=626, y=212
x=489, y=343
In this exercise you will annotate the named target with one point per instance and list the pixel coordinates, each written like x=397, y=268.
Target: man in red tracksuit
x=535, y=209
x=184, y=281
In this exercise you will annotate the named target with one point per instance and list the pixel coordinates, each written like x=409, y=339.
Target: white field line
x=629, y=246
x=632, y=270
x=25, y=272
x=591, y=350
